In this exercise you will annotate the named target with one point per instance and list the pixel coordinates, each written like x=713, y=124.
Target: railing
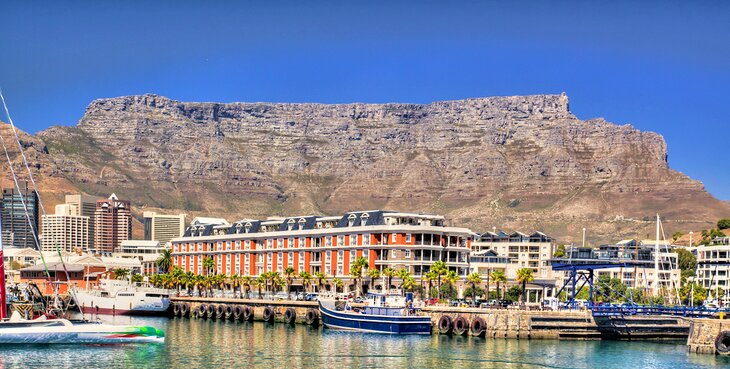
x=694, y=312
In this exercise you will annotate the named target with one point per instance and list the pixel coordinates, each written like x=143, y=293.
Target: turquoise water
x=200, y=343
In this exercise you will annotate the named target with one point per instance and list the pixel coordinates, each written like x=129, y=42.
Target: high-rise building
x=18, y=228
x=163, y=228
x=65, y=230
x=85, y=206
x=112, y=224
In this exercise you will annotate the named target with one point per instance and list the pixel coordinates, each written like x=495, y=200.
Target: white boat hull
x=61, y=331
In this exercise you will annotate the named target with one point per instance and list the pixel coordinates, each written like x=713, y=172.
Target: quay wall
x=493, y=323
x=706, y=336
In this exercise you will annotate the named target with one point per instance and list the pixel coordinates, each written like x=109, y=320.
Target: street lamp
x=690, y=238
x=584, y=237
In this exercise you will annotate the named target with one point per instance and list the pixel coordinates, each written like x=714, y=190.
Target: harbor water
x=193, y=343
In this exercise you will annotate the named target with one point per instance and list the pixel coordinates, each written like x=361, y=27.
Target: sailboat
x=49, y=329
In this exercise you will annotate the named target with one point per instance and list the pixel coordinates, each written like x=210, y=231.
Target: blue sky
x=662, y=66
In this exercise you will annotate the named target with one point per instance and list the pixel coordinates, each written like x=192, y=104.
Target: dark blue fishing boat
x=373, y=319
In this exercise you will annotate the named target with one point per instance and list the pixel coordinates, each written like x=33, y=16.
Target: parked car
x=312, y=296
x=281, y=296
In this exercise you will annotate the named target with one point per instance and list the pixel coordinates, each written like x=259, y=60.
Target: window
x=394, y=237
x=408, y=254
x=290, y=262
x=247, y=245
x=408, y=238
x=302, y=243
x=301, y=261
x=280, y=261
x=246, y=264
x=328, y=241
x=392, y=254
x=366, y=239
x=290, y=243
x=269, y=242
x=341, y=240
x=353, y=240
x=353, y=256
x=351, y=220
x=340, y=255
x=340, y=270
x=328, y=256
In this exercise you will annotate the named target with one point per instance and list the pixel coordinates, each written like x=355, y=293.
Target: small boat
x=374, y=317
x=119, y=297
x=63, y=331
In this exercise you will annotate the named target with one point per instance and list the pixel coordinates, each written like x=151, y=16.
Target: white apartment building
x=65, y=230
x=522, y=251
x=163, y=228
x=713, y=268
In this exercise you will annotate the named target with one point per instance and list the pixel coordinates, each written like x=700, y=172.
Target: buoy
x=478, y=327
x=444, y=325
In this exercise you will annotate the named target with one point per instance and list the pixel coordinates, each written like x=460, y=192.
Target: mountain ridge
x=517, y=162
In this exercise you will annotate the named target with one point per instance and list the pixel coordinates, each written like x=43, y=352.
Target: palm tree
x=177, y=275
x=440, y=269
x=261, y=282
x=524, y=276
x=289, y=272
x=247, y=281
x=164, y=261
x=137, y=278
x=337, y=283
x=356, y=271
x=187, y=280
x=321, y=278
x=430, y=277
x=374, y=274
x=235, y=282
x=409, y=283
x=403, y=274
x=498, y=277
x=389, y=273
x=306, y=279
x=208, y=264
x=451, y=278
x=474, y=279
x=121, y=273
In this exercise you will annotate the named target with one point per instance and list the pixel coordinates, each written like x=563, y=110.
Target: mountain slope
x=515, y=162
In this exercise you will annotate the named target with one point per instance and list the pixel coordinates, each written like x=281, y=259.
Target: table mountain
x=520, y=162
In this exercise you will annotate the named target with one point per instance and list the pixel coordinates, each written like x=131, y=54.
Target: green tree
x=290, y=273
x=374, y=274
x=306, y=278
x=164, y=261
x=474, y=279
x=723, y=223
x=513, y=293
x=676, y=235
x=247, y=281
x=409, y=284
x=524, y=276
x=208, y=264
x=559, y=251
x=440, y=269
x=120, y=273
x=474, y=291
x=320, y=278
x=337, y=283
x=389, y=273
x=356, y=272
x=137, y=278
x=430, y=277
x=687, y=262
x=498, y=277
x=403, y=274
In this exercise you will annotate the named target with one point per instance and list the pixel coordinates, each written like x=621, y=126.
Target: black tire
x=209, y=311
x=478, y=327
x=461, y=326
x=444, y=325
x=176, y=309
x=290, y=316
x=247, y=313
x=237, y=312
x=220, y=310
x=229, y=312
x=722, y=342
x=199, y=311
x=184, y=309
x=269, y=314
x=312, y=317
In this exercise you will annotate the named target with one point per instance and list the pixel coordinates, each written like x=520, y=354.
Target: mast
x=656, y=259
x=3, y=308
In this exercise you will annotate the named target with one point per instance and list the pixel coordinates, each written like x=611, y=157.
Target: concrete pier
x=709, y=336
x=493, y=323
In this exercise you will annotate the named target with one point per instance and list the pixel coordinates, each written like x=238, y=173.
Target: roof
x=143, y=243
x=207, y=221
x=54, y=267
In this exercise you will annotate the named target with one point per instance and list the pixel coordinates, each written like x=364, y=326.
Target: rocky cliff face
x=515, y=162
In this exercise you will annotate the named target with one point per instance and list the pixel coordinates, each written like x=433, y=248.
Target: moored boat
x=373, y=318
x=117, y=297
x=63, y=331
